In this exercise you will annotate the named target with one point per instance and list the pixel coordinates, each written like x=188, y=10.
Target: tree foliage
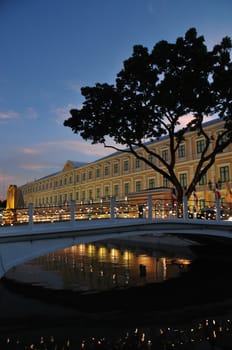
x=150, y=97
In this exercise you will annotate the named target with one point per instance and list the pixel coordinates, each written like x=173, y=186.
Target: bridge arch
x=15, y=253
x=18, y=245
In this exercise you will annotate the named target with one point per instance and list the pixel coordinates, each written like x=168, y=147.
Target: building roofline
x=78, y=164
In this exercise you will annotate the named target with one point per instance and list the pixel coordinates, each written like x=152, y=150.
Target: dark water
x=30, y=322
x=102, y=266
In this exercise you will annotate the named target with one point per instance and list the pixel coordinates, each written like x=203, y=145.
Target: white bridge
x=24, y=242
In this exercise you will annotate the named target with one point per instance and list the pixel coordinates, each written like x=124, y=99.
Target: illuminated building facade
x=120, y=174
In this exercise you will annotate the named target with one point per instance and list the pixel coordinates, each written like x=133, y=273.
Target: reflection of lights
x=179, y=261
x=127, y=255
x=145, y=260
x=73, y=249
x=82, y=248
x=114, y=253
x=102, y=252
x=91, y=250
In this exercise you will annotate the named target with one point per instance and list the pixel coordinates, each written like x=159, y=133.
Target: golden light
x=114, y=253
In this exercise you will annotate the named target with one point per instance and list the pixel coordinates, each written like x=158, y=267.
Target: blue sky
x=51, y=48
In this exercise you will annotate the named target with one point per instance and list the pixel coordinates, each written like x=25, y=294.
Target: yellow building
x=120, y=174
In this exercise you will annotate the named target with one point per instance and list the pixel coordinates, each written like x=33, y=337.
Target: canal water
x=58, y=301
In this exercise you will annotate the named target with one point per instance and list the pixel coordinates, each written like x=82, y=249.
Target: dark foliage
x=150, y=98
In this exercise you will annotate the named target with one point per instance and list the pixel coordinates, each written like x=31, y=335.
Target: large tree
x=150, y=97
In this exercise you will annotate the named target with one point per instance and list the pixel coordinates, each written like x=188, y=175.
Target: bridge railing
x=160, y=209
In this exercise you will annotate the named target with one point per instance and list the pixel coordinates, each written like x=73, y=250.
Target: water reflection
x=97, y=267
x=107, y=265
x=208, y=334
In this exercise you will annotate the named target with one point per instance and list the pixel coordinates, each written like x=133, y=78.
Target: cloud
x=62, y=113
x=185, y=119
x=7, y=116
x=6, y=178
x=36, y=167
x=27, y=150
x=76, y=146
x=29, y=113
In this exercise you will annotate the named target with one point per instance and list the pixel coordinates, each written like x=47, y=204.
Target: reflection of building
x=121, y=173
x=101, y=267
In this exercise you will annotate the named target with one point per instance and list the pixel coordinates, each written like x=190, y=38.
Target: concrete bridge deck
x=115, y=226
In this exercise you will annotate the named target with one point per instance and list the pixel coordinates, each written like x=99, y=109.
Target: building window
x=181, y=151
x=137, y=163
x=77, y=196
x=98, y=172
x=224, y=174
x=116, y=168
x=126, y=165
x=150, y=158
x=203, y=180
x=70, y=196
x=90, y=194
x=223, y=138
x=83, y=177
x=138, y=186
x=183, y=180
x=90, y=175
x=126, y=188
x=97, y=193
x=106, y=171
x=202, y=203
x=165, y=182
x=116, y=190
x=83, y=196
x=165, y=154
x=77, y=178
x=151, y=183
x=200, y=146
x=106, y=191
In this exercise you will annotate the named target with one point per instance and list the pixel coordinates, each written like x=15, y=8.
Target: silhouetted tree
x=150, y=97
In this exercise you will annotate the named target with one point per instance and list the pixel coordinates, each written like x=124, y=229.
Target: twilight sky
x=51, y=48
